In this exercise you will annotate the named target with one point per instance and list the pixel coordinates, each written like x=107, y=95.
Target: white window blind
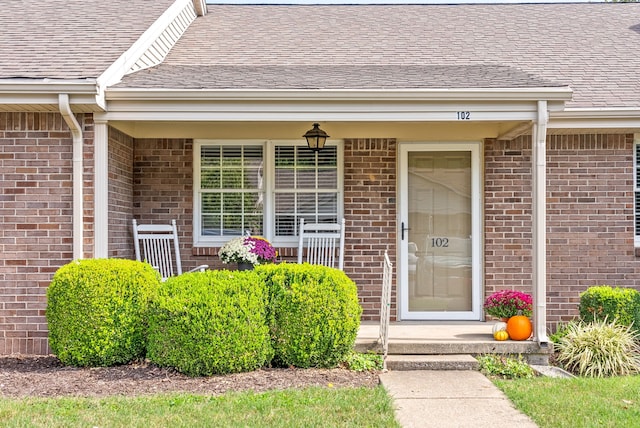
x=263, y=188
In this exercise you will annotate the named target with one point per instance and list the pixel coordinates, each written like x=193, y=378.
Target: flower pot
x=245, y=266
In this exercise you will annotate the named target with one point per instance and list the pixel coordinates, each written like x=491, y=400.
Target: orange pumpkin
x=519, y=327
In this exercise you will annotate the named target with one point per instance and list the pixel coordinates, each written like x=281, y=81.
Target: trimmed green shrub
x=97, y=310
x=211, y=322
x=619, y=304
x=599, y=348
x=314, y=314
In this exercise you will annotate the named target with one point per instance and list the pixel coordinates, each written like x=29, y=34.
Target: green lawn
x=577, y=403
x=311, y=407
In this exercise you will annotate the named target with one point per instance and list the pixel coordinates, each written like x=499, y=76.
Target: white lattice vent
x=156, y=53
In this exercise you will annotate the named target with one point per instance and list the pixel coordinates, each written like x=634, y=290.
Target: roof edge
x=627, y=118
x=48, y=86
x=598, y=112
x=114, y=73
x=561, y=93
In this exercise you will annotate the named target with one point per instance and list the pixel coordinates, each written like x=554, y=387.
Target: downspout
x=539, y=224
x=76, y=132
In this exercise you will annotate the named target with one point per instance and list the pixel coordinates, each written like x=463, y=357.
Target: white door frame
x=476, y=228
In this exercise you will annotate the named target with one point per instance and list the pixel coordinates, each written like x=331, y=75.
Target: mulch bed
x=46, y=376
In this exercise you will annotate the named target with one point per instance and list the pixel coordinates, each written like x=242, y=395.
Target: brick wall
x=507, y=215
x=590, y=213
x=36, y=217
x=162, y=190
x=370, y=214
x=120, y=195
x=589, y=217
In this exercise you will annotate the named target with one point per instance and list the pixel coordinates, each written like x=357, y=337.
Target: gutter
x=44, y=92
x=595, y=113
x=76, y=132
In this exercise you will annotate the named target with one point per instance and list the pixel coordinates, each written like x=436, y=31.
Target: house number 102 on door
x=439, y=242
x=464, y=115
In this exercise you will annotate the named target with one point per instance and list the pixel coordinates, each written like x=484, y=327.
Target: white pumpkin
x=499, y=326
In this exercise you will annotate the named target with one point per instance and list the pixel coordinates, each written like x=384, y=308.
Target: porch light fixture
x=316, y=138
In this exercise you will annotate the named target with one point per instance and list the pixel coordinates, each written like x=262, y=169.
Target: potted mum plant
x=247, y=252
x=505, y=304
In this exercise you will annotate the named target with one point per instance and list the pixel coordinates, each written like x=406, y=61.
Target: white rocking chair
x=321, y=243
x=157, y=244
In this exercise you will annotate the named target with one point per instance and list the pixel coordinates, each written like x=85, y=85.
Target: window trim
x=268, y=185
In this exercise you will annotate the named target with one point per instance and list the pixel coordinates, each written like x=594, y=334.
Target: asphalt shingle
x=334, y=77
x=591, y=47
x=70, y=39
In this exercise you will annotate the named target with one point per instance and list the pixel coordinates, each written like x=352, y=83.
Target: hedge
x=97, y=311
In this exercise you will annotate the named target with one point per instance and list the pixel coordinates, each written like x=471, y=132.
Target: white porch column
x=539, y=223
x=101, y=188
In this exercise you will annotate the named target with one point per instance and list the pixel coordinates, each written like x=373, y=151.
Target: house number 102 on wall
x=464, y=115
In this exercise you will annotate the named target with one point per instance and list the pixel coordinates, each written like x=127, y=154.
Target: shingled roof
x=70, y=39
x=593, y=48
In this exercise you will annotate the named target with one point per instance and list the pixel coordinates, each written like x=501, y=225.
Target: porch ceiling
x=290, y=130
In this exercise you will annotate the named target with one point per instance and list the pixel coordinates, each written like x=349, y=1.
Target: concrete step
x=447, y=338
x=532, y=351
x=431, y=362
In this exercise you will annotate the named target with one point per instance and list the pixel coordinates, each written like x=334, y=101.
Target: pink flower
x=248, y=249
x=507, y=303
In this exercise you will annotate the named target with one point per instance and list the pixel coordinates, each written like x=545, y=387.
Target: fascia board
x=600, y=112
x=480, y=94
x=347, y=105
x=593, y=118
x=57, y=86
x=46, y=91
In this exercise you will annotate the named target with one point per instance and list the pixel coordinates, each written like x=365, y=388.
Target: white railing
x=385, y=307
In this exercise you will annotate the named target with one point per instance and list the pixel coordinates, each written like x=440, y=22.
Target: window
x=263, y=188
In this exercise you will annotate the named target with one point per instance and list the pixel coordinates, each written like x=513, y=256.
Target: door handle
x=402, y=228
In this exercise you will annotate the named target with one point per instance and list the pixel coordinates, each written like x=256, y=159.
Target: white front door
x=440, y=245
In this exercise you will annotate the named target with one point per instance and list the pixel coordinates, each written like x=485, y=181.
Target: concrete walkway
x=450, y=398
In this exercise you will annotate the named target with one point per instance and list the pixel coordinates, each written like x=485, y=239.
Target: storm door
x=439, y=268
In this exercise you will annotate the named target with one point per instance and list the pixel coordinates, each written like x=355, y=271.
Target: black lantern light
x=316, y=138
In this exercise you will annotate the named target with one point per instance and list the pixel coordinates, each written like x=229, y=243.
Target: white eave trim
x=126, y=61
x=495, y=104
x=470, y=94
x=46, y=91
x=615, y=117
x=68, y=86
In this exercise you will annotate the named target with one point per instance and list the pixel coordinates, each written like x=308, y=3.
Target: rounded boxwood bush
x=97, y=310
x=209, y=323
x=314, y=314
x=613, y=303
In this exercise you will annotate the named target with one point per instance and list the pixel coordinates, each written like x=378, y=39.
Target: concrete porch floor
x=446, y=337
x=468, y=331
